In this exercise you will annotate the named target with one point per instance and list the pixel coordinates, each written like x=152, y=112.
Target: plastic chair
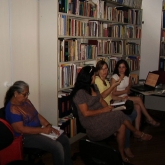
x=6, y=138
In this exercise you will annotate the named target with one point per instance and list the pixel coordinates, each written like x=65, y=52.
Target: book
x=119, y=108
x=53, y=135
x=117, y=103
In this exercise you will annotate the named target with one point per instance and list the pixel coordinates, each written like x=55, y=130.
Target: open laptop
x=150, y=83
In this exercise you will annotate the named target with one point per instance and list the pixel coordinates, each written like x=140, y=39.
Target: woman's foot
x=128, y=152
x=153, y=123
x=142, y=136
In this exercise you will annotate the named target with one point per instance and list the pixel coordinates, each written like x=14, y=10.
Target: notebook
x=53, y=135
x=150, y=83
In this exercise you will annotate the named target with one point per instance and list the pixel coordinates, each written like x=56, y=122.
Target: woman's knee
x=122, y=128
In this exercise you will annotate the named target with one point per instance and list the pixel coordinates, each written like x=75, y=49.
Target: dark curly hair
x=116, y=70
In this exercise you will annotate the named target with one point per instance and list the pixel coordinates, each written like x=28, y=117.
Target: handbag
x=126, y=107
x=14, y=151
x=129, y=107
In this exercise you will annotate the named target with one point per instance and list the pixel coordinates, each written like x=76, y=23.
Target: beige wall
x=19, y=45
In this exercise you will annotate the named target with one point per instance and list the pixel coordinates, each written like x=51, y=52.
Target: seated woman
x=105, y=91
x=26, y=121
x=96, y=116
x=122, y=71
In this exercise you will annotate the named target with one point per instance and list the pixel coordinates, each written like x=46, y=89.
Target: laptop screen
x=151, y=79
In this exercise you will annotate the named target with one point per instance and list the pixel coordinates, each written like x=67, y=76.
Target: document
x=119, y=108
x=53, y=135
x=117, y=103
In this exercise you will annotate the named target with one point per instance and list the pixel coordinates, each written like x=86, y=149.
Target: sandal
x=144, y=137
x=153, y=123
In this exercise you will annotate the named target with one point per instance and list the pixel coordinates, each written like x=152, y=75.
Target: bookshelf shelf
x=68, y=41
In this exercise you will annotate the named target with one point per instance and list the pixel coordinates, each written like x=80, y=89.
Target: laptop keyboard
x=143, y=88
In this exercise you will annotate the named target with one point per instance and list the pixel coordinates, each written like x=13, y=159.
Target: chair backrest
x=6, y=134
x=80, y=128
x=2, y=113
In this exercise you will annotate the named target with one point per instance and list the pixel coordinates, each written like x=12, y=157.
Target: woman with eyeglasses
x=122, y=72
x=106, y=92
x=26, y=121
x=96, y=116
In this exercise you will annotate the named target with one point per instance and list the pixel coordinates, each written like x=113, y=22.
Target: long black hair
x=83, y=81
x=18, y=86
x=116, y=70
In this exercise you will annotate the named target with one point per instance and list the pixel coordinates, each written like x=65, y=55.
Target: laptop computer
x=150, y=83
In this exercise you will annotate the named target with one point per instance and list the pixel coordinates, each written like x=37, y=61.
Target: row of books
x=74, y=49
x=92, y=8
x=124, y=15
x=75, y=27
x=130, y=3
x=133, y=62
x=124, y=31
x=107, y=47
x=68, y=74
x=68, y=124
x=132, y=48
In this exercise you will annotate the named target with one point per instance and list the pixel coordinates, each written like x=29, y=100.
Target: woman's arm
x=43, y=121
x=118, y=93
x=108, y=91
x=20, y=128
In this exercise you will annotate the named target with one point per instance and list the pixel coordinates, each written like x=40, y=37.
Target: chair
x=6, y=138
x=95, y=153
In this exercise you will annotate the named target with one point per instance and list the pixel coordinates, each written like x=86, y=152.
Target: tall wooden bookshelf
x=162, y=40
x=75, y=33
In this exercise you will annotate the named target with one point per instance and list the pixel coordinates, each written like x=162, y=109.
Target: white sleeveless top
x=124, y=83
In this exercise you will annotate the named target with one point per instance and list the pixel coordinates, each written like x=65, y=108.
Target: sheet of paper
x=53, y=135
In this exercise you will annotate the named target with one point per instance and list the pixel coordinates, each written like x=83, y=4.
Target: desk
x=153, y=100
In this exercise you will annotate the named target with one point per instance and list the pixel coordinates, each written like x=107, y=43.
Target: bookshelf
x=162, y=40
x=75, y=33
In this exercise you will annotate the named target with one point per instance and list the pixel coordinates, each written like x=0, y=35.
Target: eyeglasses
x=25, y=94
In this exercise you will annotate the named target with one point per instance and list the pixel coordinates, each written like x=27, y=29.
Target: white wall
x=19, y=45
x=5, y=70
x=150, y=42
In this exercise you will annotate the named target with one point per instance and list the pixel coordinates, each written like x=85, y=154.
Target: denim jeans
x=132, y=117
x=59, y=148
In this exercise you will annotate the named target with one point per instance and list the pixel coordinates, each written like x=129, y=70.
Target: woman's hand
x=108, y=108
x=116, y=83
x=48, y=130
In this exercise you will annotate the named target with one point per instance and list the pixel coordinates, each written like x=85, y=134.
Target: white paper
x=53, y=135
x=119, y=108
x=118, y=103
